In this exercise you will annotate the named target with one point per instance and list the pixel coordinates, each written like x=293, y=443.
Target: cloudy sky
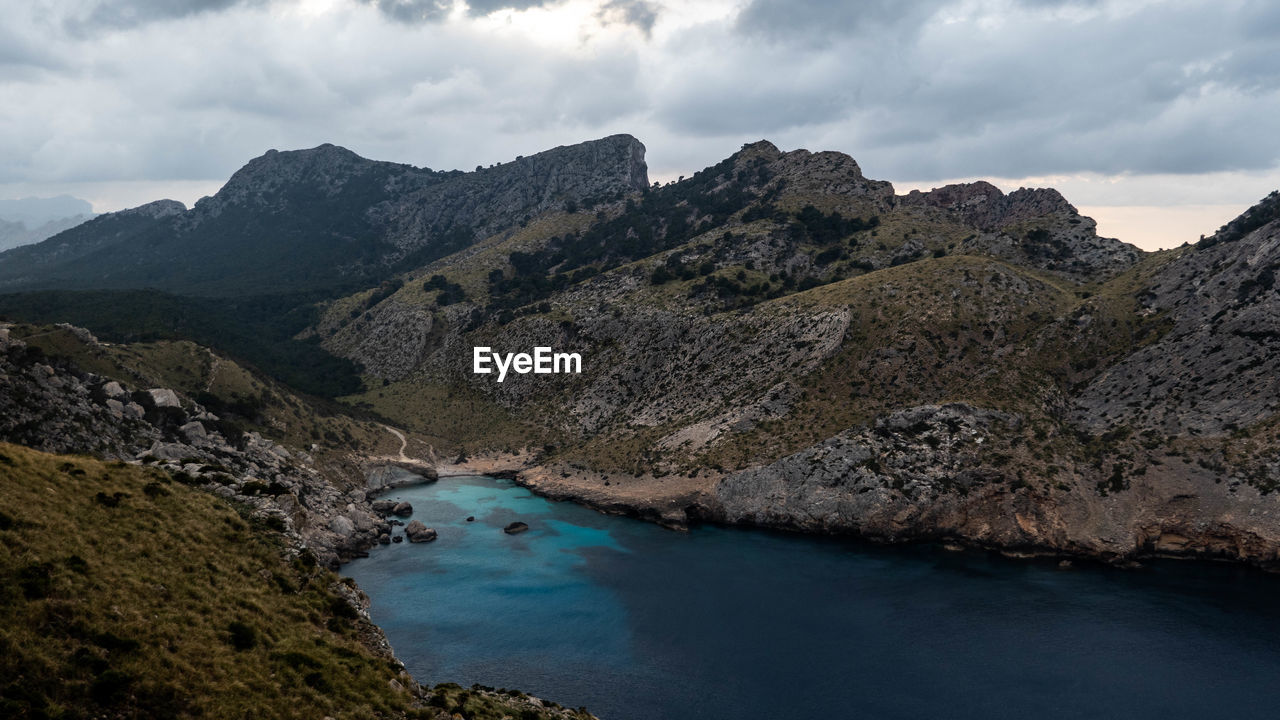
x=1160, y=119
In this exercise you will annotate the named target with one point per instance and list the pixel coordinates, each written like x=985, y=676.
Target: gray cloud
x=117, y=14
x=640, y=13
x=943, y=89
x=416, y=11
x=821, y=19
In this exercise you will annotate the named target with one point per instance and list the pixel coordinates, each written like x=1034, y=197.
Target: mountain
x=781, y=341
x=30, y=220
x=321, y=220
x=777, y=340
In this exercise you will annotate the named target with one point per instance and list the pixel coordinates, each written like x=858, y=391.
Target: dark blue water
x=634, y=621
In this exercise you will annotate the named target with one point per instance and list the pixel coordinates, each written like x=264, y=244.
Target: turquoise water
x=634, y=621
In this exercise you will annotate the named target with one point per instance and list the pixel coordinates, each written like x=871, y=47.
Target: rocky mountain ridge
x=318, y=220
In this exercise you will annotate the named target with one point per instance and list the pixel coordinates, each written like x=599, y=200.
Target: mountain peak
x=987, y=207
x=321, y=171
x=156, y=209
x=614, y=160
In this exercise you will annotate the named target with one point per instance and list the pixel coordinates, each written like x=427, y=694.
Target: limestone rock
x=164, y=397
x=194, y=432
x=342, y=525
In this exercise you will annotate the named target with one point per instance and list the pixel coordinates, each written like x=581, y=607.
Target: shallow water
x=634, y=621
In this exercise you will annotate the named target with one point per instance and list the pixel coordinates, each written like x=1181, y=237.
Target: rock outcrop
x=1037, y=227
x=419, y=533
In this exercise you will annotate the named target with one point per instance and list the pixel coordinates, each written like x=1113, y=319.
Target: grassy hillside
x=124, y=594
x=131, y=595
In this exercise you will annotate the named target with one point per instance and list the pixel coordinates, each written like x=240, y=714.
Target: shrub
x=242, y=636
x=110, y=687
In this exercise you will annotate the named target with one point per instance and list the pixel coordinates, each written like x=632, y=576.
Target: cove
x=635, y=621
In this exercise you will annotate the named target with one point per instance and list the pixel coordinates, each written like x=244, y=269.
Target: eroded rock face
x=1217, y=367
x=868, y=479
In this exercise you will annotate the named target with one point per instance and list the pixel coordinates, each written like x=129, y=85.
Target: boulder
x=342, y=525
x=397, y=538
x=471, y=518
x=113, y=389
x=115, y=407
x=194, y=432
x=171, y=451
x=515, y=528
x=384, y=506
x=164, y=397
x=403, y=509
x=384, y=539
x=419, y=533
x=135, y=411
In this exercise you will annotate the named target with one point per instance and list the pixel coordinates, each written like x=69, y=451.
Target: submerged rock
x=515, y=528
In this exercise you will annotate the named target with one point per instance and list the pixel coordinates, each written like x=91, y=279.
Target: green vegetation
x=259, y=330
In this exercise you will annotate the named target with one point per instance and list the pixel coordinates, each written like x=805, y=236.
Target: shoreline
x=679, y=503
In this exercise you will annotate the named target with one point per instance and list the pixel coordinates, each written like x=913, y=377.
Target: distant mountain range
x=30, y=220
x=777, y=340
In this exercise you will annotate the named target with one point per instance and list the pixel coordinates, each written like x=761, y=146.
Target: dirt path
x=403, y=443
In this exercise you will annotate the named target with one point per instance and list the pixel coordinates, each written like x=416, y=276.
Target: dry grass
x=130, y=595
